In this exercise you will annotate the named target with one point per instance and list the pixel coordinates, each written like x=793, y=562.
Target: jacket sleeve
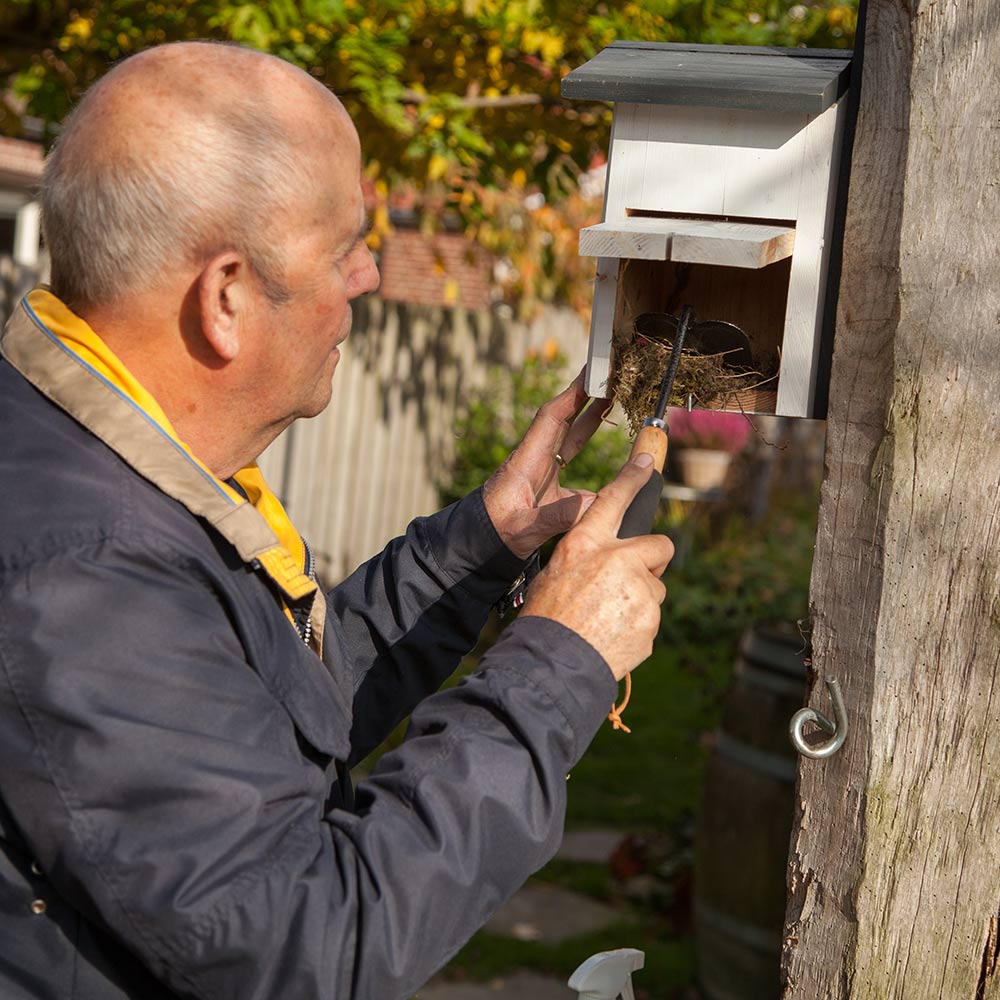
x=407, y=617
x=163, y=791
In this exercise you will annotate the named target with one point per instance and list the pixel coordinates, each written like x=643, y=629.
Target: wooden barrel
x=744, y=822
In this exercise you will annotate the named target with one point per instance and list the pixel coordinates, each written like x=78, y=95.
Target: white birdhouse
x=721, y=187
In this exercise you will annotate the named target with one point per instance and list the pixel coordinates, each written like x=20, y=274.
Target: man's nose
x=367, y=278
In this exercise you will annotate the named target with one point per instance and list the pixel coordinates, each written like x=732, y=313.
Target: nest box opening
x=753, y=300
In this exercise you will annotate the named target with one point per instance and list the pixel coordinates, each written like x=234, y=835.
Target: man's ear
x=224, y=301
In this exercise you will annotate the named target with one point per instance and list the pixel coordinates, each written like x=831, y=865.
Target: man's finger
x=584, y=427
x=666, y=555
x=547, y=430
x=531, y=528
x=561, y=515
x=655, y=551
x=607, y=511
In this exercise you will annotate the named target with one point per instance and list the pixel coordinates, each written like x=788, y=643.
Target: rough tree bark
x=894, y=881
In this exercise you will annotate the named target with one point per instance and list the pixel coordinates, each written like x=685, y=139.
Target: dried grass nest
x=641, y=363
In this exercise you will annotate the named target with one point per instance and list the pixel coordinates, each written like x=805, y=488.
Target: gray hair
x=115, y=222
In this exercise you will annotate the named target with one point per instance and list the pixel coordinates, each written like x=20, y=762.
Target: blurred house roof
x=21, y=164
x=443, y=269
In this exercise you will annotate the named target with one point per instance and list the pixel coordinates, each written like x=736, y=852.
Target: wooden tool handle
x=653, y=441
x=638, y=519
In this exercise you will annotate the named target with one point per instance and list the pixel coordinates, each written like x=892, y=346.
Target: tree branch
x=498, y=101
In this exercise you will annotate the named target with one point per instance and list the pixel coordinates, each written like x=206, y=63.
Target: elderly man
x=179, y=704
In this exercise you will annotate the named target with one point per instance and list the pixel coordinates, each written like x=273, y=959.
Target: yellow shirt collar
x=77, y=336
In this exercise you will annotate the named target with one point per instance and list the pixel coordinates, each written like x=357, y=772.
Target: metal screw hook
x=838, y=729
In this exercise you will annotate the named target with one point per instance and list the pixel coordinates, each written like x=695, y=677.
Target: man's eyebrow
x=352, y=242
x=360, y=235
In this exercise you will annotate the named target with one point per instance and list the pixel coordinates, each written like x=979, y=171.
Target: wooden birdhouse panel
x=691, y=240
x=722, y=175
x=707, y=161
x=810, y=264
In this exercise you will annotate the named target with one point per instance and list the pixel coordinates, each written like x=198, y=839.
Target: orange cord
x=615, y=715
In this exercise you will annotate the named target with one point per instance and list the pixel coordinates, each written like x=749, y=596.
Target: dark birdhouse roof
x=713, y=76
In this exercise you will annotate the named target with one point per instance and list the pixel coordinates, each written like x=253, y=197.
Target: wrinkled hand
x=605, y=588
x=524, y=498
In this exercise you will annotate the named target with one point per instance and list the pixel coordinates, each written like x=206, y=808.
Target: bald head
x=181, y=152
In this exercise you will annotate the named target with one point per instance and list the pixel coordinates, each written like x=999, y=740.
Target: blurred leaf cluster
x=457, y=101
x=747, y=575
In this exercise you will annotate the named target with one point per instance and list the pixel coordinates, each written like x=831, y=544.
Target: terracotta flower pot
x=703, y=468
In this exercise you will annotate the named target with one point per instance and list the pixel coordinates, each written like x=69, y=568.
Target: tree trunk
x=894, y=880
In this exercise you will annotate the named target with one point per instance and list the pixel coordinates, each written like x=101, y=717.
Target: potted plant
x=704, y=442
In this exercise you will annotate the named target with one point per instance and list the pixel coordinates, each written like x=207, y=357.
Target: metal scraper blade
x=706, y=337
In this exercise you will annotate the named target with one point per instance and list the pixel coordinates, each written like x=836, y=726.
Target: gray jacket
x=176, y=817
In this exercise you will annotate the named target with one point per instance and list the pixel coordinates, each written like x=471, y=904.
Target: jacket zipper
x=305, y=632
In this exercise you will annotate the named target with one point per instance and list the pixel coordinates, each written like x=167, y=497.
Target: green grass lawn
x=648, y=779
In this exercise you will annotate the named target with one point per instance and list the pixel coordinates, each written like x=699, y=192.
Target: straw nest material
x=642, y=363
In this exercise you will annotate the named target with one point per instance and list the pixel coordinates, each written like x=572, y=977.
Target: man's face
x=327, y=264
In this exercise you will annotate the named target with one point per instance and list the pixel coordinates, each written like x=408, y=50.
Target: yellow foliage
x=80, y=28
x=381, y=225
x=494, y=55
x=841, y=15
x=519, y=178
x=437, y=166
x=450, y=292
x=550, y=47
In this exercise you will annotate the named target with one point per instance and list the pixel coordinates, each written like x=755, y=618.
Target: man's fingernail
x=644, y=460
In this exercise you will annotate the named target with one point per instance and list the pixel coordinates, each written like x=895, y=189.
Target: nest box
x=721, y=186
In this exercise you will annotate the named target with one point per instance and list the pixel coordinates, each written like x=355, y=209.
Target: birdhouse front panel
x=721, y=184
